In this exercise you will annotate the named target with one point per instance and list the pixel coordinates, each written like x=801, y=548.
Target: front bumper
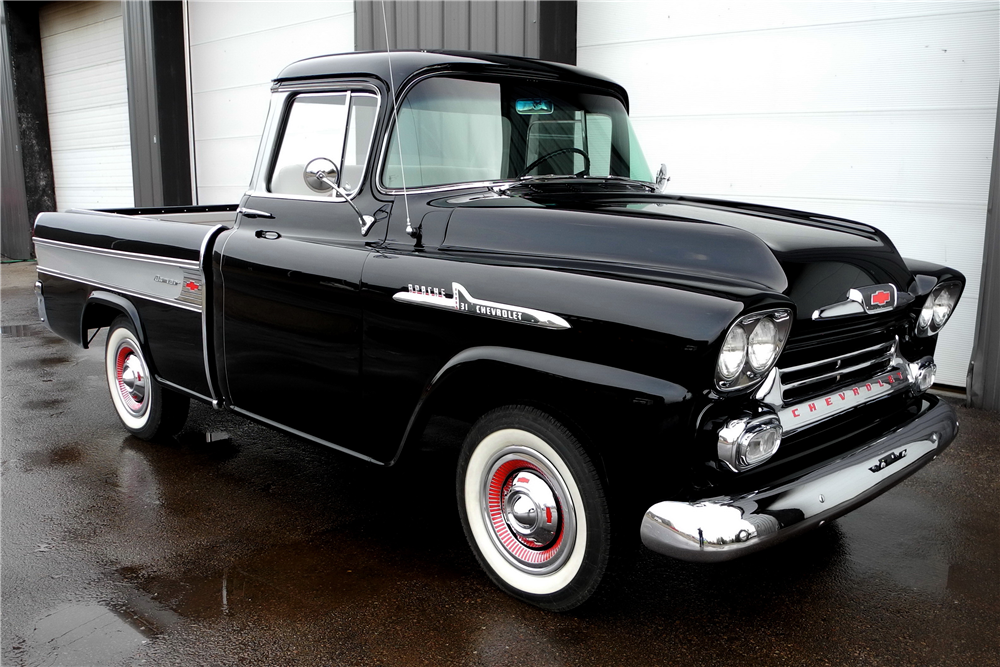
x=719, y=529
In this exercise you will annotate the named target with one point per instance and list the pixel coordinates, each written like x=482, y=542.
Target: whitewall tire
x=533, y=508
x=144, y=407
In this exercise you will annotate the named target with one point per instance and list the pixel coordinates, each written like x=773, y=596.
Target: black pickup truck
x=480, y=237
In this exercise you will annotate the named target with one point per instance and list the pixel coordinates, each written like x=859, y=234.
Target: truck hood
x=813, y=260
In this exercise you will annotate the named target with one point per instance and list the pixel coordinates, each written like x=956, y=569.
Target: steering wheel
x=560, y=151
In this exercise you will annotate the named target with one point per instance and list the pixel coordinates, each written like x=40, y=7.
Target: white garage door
x=83, y=56
x=236, y=49
x=881, y=112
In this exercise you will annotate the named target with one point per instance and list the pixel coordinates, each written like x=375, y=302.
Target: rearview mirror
x=321, y=175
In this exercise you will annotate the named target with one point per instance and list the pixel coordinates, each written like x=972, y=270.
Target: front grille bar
x=890, y=374
x=802, y=367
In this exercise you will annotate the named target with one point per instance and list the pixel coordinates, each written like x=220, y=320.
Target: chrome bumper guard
x=725, y=528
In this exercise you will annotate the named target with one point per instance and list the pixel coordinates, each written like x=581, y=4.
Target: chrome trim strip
x=461, y=301
x=120, y=254
x=795, y=417
x=306, y=436
x=121, y=290
x=176, y=387
x=800, y=367
x=724, y=528
x=839, y=371
x=205, y=264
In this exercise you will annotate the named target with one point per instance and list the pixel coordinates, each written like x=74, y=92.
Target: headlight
x=763, y=344
x=938, y=307
x=751, y=348
x=734, y=353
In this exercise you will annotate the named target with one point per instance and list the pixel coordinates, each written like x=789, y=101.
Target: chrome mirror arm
x=366, y=221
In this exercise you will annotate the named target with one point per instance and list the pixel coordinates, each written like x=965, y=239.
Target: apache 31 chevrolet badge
x=463, y=302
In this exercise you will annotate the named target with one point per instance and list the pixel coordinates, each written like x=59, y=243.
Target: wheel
x=533, y=508
x=560, y=151
x=145, y=408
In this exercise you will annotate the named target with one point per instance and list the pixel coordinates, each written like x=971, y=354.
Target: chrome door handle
x=252, y=213
x=264, y=234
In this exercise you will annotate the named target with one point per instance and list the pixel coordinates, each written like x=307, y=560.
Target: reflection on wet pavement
x=72, y=635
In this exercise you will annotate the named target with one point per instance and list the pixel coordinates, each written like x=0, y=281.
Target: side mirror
x=321, y=175
x=661, y=178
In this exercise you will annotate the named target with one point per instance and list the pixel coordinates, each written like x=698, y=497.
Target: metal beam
x=983, y=388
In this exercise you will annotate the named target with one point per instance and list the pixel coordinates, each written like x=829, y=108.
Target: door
x=291, y=273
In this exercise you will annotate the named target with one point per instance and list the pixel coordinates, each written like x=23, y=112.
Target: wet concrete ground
x=236, y=545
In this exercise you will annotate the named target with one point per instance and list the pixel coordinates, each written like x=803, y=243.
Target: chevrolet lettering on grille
x=804, y=414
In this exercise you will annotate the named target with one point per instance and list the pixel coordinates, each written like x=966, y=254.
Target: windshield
x=452, y=130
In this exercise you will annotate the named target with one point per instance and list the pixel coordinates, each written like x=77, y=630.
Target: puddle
x=59, y=456
x=82, y=634
x=44, y=404
x=288, y=580
x=22, y=330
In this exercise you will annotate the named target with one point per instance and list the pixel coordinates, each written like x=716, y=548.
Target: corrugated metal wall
x=880, y=112
x=498, y=26
x=15, y=230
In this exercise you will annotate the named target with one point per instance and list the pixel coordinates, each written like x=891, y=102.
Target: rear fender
x=101, y=310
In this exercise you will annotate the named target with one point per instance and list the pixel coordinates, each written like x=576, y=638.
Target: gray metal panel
x=431, y=23
x=15, y=227
x=505, y=26
x=531, y=32
x=456, y=25
x=510, y=27
x=408, y=25
x=142, y=104
x=364, y=26
x=984, y=371
x=483, y=26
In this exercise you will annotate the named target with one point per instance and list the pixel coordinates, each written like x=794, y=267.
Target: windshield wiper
x=568, y=179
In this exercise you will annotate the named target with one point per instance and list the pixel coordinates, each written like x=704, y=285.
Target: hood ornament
x=871, y=299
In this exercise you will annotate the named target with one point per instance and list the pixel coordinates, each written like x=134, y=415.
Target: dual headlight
x=938, y=308
x=751, y=348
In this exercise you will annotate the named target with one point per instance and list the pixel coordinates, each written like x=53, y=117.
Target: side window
x=335, y=126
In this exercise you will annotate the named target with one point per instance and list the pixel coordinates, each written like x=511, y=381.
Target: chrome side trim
x=176, y=387
x=724, y=528
x=460, y=300
x=121, y=254
x=306, y=436
x=175, y=282
x=206, y=263
x=121, y=290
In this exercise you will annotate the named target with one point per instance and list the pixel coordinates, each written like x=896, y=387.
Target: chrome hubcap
x=528, y=510
x=132, y=378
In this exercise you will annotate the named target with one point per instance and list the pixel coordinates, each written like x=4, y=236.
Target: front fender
x=480, y=378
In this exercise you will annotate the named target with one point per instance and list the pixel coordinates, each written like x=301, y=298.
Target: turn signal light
x=748, y=442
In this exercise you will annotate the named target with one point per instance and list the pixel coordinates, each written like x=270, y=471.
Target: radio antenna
x=395, y=119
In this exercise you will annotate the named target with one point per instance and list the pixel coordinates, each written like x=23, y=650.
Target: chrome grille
x=815, y=378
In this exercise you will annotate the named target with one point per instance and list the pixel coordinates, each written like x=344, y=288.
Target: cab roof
x=407, y=64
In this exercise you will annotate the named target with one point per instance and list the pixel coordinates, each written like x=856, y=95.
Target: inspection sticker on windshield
x=526, y=107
